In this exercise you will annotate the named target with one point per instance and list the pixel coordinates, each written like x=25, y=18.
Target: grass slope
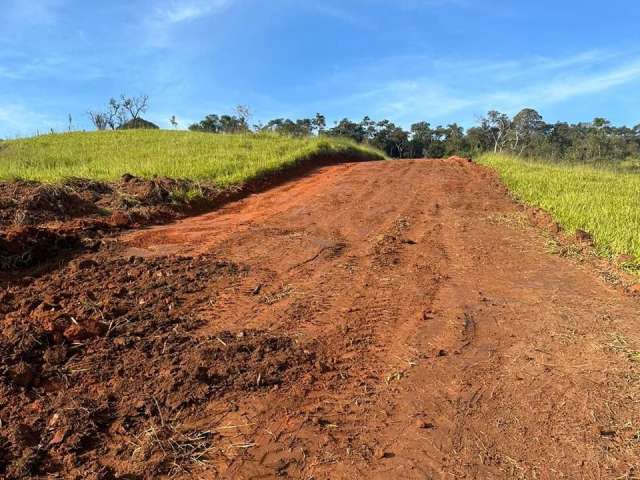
x=222, y=159
x=602, y=202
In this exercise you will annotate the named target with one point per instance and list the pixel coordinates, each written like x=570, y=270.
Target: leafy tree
x=420, y=139
x=348, y=129
x=210, y=123
x=221, y=124
x=526, y=126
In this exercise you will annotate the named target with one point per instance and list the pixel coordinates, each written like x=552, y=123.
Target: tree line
x=526, y=134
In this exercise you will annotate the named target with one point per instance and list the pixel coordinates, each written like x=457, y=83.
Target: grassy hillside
x=604, y=203
x=222, y=159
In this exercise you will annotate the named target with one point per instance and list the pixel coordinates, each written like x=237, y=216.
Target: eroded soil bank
x=397, y=319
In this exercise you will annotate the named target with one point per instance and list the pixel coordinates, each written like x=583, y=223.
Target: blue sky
x=406, y=60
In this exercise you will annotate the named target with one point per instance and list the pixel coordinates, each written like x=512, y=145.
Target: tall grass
x=221, y=159
x=602, y=202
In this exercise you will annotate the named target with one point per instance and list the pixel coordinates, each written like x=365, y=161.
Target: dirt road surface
x=386, y=320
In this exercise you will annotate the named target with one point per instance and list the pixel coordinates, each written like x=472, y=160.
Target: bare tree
x=99, y=120
x=119, y=112
x=244, y=115
x=134, y=106
x=115, y=114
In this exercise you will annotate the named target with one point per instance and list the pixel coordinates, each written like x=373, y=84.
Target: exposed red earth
x=393, y=319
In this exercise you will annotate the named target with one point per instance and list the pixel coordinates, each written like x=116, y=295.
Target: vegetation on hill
x=600, y=201
x=220, y=159
x=525, y=134
x=138, y=123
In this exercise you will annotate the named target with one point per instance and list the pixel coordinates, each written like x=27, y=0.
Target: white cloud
x=169, y=15
x=177, y=12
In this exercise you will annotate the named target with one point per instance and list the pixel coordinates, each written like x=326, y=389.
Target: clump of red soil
x=39, y=222
x=32, y=203
x=105, y=367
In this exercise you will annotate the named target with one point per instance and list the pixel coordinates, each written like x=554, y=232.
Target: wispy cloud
x=438, y=89
x=17, y=120
x=169, y=15
x=29, y=68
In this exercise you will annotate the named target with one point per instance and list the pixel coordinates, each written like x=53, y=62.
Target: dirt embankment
x=41, y=222
x=397, y=319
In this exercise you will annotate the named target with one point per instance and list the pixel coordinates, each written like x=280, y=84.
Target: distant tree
x=233, y=124
x=347, y=129
x=99, y=120
x=421, y=137
x=210, y=123
x=454, y=140
x=369, y=128
x=221, y=124
x=244, y=115
x=497, y=125
x=560, y=137
x=391, y=138
x=116, y=115
x=319, y=123
x=526, y=126
x=119, y=112
x=134, y=106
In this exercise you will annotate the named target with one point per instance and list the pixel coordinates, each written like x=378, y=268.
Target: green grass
x=221, y=159
x=605, y=203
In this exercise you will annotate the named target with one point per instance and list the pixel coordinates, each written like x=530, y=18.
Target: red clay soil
x=43, y=224
x=395, y=319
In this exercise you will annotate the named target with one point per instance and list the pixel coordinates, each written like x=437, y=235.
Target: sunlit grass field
x=220, y=159
x=605, y=203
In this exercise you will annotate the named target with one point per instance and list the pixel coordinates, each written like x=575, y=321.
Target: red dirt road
x=381, y=320
x=456, y=345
